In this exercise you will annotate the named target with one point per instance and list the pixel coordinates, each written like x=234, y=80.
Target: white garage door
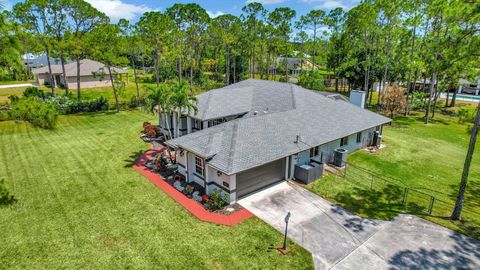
x=260, y=177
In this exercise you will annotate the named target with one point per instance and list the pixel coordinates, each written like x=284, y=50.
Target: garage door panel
x=262, y=176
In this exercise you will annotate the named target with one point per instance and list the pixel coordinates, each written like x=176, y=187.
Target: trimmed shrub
x=33, y=91
x=66, y=105
x=216, y=201
x=311, y=79
x=36, y=112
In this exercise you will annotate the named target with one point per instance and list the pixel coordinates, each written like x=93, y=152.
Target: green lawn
x=428, y=158
x=15, y=82
x=80, y=205
x=88, y=93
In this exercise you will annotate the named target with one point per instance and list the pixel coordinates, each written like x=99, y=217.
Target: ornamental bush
x=33, y=91
x=311, y=79
x=35, y=111
x=66, y=105
x=216, y=201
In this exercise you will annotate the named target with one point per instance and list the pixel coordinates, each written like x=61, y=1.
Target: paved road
x=15, y=85
x=339, y=239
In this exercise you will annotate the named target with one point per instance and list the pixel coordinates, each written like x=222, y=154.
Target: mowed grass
x=427, y=158
x=124, y=95
x=81, y=206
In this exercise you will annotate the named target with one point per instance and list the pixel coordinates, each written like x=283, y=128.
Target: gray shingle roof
x=87, y=66
x=254, y=140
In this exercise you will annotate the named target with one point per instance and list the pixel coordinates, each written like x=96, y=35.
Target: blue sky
x=131, y=9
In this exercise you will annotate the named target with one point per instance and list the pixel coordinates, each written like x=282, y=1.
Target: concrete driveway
x=339, y=239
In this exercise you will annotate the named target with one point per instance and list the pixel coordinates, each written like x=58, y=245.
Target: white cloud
x=331, y=4
x=266, y=2
x=214, y=14
x=116, y=9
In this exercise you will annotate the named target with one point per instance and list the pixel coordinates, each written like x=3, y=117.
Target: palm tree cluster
x=172, y=100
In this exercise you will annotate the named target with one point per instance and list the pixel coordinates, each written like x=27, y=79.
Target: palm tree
x=183, y=101
x=466, y=168
x=160, y=100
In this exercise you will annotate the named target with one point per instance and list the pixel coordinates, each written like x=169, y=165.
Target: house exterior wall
x=41, y=78
x=192, y=175
x=88, y=81
x=85, y=81
x=217, y=180
x=326, y=151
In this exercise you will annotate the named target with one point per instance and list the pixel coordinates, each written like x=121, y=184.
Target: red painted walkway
x=191, y=205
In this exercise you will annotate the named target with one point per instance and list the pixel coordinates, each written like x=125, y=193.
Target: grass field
x=88, y=93
x=15, y=82
x=81, y=206
x=428, y=158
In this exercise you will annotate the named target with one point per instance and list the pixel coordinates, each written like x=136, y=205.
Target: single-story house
x=468, y=87
x=87, y=78
x=251, y=134
x=293, y=64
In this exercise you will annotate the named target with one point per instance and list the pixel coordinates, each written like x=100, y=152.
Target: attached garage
x=260, y=177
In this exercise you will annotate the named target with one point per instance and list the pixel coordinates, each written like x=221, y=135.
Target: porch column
x=174, y=120
x=187, y=175
x=205, y=174
x=189, y=125
x=204, y=124
x=286, y=168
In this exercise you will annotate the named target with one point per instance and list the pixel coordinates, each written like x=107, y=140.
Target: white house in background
x=87, y=78
x=251, y=134
x=468, y=87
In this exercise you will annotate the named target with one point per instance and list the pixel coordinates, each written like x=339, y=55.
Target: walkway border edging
x=189, y=204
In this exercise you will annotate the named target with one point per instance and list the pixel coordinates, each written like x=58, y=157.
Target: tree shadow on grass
x=133, y=158
x=464, y=254
x=375, y=204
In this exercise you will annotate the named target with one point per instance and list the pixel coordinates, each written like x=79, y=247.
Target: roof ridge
x=207, y=104
x=294, y=104
x=233, y=141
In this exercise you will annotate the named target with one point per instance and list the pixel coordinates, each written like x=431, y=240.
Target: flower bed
x=213, y=202
x=190, y=205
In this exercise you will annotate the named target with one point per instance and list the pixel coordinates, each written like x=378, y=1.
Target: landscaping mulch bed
x=169, y=178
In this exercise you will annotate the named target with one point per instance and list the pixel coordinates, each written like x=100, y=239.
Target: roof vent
x=297, y=139
x=255, y=113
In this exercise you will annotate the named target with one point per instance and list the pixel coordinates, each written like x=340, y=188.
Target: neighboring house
x=468, y=87
x=294, y=66
x=92, y=74
x=251, y=134
x=38, y=60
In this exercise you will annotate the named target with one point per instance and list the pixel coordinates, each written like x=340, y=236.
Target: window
x=314, y=151
x=359, y=137
x=197, y=124
x=199, y=166
x=215, y=122
x=344, y=141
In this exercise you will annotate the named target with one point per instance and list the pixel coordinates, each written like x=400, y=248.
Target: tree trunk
x=227, y=66
x=136, y=80
x=314, y=44
x=433, y=80
x=52, y=79
x=234, y=68
x=155, y=63
x=454, y=99
x=436, y=94
x=64, y=75
x=466, y=168
x=78, y=78
x=113, y=88
x=447, y=99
